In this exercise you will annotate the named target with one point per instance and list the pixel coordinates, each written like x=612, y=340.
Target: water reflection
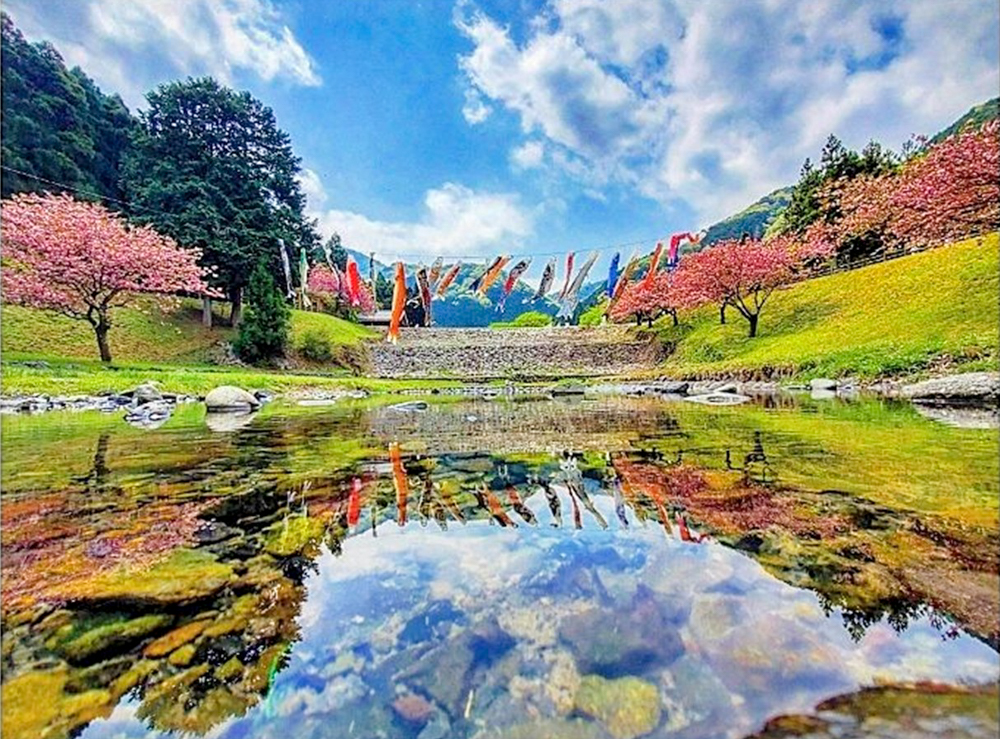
x=549, y=563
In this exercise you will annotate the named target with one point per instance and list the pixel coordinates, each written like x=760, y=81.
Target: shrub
x=264, y=331
x=316, y=347
x=530, y=319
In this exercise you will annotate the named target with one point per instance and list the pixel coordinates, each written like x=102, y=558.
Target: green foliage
x=383, y=291
x=754, y=220
x=56, y=123
x=265, y=328
x=337, y=252
x=315, y=346
x=889, y=318
x=836, y=162
x=594, y=315
x=211, y=168
x=974, y=118
x=530, y=319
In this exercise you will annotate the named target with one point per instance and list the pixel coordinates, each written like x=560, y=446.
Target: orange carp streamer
x=449, y=277
x=399, y=483
x=653, y=264
x=493, y=274
x=398, y=303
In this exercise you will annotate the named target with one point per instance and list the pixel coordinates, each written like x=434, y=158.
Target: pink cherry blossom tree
x=81, y=260
x=666, y=293
x=740, y=273
x=332, y=288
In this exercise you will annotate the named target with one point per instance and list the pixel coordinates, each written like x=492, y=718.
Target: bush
x=316, y=347
x=594, y=314
x=264, y=331
x=531, y=319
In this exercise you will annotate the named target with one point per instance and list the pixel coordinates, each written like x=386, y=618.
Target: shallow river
x=611, y=567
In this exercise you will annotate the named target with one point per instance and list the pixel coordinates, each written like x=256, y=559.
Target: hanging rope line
x=405, y=256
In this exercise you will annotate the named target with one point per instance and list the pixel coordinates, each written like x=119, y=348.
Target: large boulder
x=230, y=398
x=971, y=387
x=823, y=383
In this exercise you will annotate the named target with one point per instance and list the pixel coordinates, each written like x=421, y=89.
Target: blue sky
x=531, y=126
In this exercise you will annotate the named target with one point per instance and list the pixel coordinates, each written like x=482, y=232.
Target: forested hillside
x=56, y=124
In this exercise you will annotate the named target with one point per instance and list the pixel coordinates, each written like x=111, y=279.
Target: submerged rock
x=413, y=708
x=628, y=707
x=716, y=398
x=614, y=644
x=547, y=728
x=230, y=398
x=116, y=634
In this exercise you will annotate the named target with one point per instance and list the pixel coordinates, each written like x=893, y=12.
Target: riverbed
x=598, y=566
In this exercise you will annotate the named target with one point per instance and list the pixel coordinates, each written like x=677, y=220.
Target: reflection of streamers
x=555, y=505
x=399, y=483
x=497, y=511
x=354, y=503
x=518, y=505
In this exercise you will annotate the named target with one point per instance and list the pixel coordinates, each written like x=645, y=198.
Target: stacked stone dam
x=516, y=353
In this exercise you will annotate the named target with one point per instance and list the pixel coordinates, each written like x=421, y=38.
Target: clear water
x=583, y=568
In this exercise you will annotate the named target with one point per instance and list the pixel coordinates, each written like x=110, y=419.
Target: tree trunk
x=673, y=314
x=206, y=312
x=101, y=329
x=753, y=324
x=236, y=314
x=722, y=313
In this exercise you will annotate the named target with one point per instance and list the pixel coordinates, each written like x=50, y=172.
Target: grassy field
x=146, y=334
x=896, y=317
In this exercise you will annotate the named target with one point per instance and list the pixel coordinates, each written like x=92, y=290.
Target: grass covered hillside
x=148, y=334
x=893, y=317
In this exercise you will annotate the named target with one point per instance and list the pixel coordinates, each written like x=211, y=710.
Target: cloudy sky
x=470, y=127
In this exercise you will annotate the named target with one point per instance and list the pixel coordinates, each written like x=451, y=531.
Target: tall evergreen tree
x=264, y=333
x=211, y=168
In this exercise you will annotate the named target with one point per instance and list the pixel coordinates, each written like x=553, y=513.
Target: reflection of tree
x=756, y=469
x=96, y=481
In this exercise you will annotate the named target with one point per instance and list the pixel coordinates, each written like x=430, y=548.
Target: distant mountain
x=975, y=117
x=752, y=220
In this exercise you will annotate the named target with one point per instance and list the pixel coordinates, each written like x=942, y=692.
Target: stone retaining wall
x=517, y=353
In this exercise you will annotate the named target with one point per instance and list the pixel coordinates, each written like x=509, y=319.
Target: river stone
x=443, y=673
x=183, y=577
x=615, y=644
x=971, y=387
x=230, y=398
x=628, y=707
x=823, y=383
x=547, y=728
x=169, y=642
x=113, y=635
x=147, y=392
x=715, y=398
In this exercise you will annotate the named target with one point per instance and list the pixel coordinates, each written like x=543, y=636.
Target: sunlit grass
x=885, y=319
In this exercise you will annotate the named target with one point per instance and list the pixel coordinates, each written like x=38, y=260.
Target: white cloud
x=129, y=47
x=528, y=155
x=716, y=103
x=457, y=221
x=475, y=110
x=312, y=188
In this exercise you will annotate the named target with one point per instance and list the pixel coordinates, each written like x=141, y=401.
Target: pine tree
x=264, y=330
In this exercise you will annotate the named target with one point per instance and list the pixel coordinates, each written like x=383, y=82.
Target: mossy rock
x=182, y=656
x=293, y=536
x=30, y=703
x=176, y=638
x=627, y=707
x=185, y=576
x=116, y=634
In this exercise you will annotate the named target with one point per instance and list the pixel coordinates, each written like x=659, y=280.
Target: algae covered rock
x=176, y=638
x=293, y=536
x=627, y=707
x=547, y=728
x=185, y=576
x=113, y=634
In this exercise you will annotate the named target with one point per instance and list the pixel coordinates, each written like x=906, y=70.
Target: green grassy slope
x=146, y=334
x=888, y=318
